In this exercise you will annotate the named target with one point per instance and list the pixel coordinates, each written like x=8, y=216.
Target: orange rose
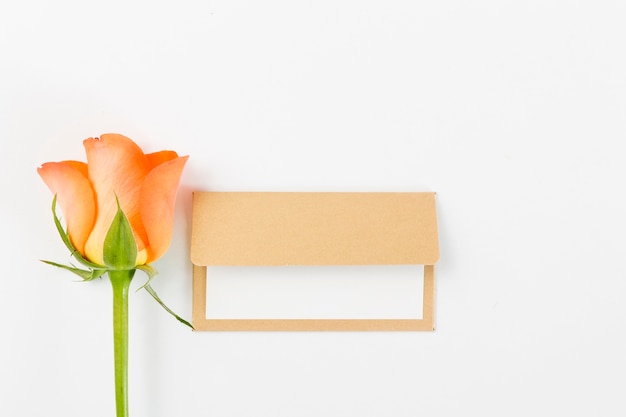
x=144, y=184
x=119, y=210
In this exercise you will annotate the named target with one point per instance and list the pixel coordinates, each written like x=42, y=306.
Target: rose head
x=117, y=170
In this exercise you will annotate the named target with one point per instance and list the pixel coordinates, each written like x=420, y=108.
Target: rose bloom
x=145, y=185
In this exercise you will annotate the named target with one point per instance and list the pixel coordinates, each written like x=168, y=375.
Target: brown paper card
x=277, y=229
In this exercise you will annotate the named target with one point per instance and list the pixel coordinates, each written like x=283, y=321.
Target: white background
x=513, y=112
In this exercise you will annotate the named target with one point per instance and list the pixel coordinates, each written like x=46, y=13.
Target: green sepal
x=149, y=271
x=76, y=254
x=86, y=275
x=158, y=300
x=120, y=248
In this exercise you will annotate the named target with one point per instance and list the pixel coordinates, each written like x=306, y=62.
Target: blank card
x=249, y=230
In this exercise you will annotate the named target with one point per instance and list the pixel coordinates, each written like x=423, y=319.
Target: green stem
x=120, y=280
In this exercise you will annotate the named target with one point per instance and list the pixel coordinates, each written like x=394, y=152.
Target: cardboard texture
x=284, y=228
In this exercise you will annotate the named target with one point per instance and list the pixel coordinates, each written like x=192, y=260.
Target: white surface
x=514, y=112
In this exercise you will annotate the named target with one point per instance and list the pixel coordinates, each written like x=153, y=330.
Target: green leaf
x=148, y=270
x=158, y=300
x=120, y=248
x=86, y=275
x=57, y=222
x=68, y=243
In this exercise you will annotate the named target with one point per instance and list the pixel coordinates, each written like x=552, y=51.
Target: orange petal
x=80, y=166
x=157, y=205
x=157, y=158
x=68, y=180
x=117, y=167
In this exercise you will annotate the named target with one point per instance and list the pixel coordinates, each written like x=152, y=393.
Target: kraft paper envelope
x=285, y=228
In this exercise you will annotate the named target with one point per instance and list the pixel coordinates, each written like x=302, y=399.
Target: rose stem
x=120, y=281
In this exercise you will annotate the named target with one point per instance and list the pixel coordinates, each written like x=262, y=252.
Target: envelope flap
x=284, y=228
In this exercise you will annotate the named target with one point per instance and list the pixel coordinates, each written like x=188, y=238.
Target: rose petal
x=117, y=167
x=68, y=180
x=158, y=196
x=157, y=158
